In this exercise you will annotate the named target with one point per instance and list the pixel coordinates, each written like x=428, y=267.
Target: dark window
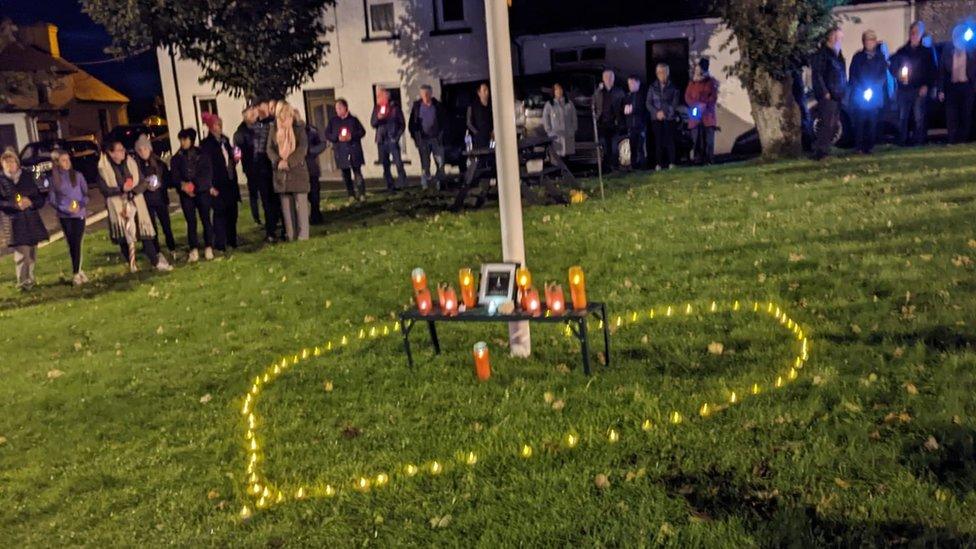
x=453, y=10
x=381, y=17
x=563, y=57
x=8, y=137
x=208, y=105
x=673, y=53
x=103, y=120
x=598, y=53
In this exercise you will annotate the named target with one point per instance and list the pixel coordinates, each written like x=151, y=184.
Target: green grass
x=872, y=255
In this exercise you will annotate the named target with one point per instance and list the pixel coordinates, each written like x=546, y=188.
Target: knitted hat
x=210, y=119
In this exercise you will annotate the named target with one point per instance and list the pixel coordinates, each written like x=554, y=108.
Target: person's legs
x=859, y=123
x=658, y=128
x=231, y=213
x=827, y=115
x=669, y=142
x=288, y=214
x=302, y=214
x=74, y=231
x=424, y=149
x=634, y=136
x=24, y=257
x=966, y=114
x=347, y=179
x=161, y=214
x=398, y=160
x=151, y=251
x=905, y=102
x=709, y=144
x=360, y=181
x=919, y=114
x=385, y=149
x=204, y=203
x=314, y=199
x=219, y=224
x=437, y=150
x=253, y=196
x=190, y=214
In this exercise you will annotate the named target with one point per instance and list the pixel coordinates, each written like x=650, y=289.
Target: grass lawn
x=122, y=421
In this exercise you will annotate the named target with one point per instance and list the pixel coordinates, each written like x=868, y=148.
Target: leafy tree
x=774, y=39
x=245, y=47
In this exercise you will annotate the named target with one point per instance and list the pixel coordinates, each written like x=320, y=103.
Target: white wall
x=354, y=65
x=23, y=127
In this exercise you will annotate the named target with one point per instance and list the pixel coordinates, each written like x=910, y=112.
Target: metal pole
x=599, y=145
x=506, y=152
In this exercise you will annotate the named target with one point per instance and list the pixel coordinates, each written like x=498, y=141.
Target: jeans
x=159, y=212
x=194, y=206
x=224, y=221
x=636, y=137
x=959, y=111
x=387, y=150
x=294, y=210
x=609, y=146
x=74, y=233
x=865, y=129
x=911, y=107
x=431, y=146
x=264, y=183
x=704, y=146
x=24, y=259
x=347, y=174
x=314, y=195
x=663, y=142
x=828, y=112
x=253, y=195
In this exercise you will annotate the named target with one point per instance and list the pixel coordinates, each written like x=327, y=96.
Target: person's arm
x=470, y=121
x=272, y=148
x=315, y=143
x=413, y=121
x=442, y=121
x=546, y=115
x=107, y=190
x=84, y=189
x=374, y=119
x=204, y=172
x=933, y=64
x=573, y=122
x=301, y=148
x=820, y=89
x=398, y=123
x=358, y=131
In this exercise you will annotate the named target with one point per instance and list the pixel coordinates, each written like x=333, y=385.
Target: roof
x=89, y=88
x=18, y=57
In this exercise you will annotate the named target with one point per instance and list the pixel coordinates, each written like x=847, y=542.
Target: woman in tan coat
x=287, y=149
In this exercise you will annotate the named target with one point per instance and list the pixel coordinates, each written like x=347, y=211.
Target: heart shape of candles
x=267, y=492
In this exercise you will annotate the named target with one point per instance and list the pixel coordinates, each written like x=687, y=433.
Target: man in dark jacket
x=193, y=175
x=829, y=87
x=157, y=193
x=346, y=133
x=635, y=117
x=428, y=120
x=316, y=145
x=20, y=201
x=479, y=118
x=225, y=191
x=608, y=110
x=244, y=142
x=387, y=120
x=914, y=67
x=957, y=75
x=662, y=106
x=869, y=90
x=264, y=172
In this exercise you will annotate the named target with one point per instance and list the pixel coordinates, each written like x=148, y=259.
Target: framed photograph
x=497, y=282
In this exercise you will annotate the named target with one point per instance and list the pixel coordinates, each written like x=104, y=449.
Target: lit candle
x=18, y=198
x=523, y=278
x=419, y=279
x=555, y=299
x=904, y=73
x=468, y=294
x=74, y=205
x=448, y=300
x=382, y=110
x=344, y=133
x=423, y=301
x=482, y=367
x=530, y=301
x=577, y=287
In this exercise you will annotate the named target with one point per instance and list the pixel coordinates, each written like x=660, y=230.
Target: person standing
x=69, y=198
x=829, y=71
x=608, y=110
x=158, y=181
x=662, y=104
x=225, y=192
x=20, y=200
x=957, y=75
x=635, y=118
x=479, y=119
x=868, y=90
x=346, y=133
x=287, y=149
x=914, y=68
x=316, y=146
x=244, y=142
x=559, y=121
x=701, y=96
x=193, y=176
x=428, y=120
x=123, y=186
x=387, y=120
x=264, y=171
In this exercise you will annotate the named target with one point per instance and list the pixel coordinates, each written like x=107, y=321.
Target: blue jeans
x=704, y=144
x=431, y=146
x=911, y=107
x=387, y=150
x=865, y=129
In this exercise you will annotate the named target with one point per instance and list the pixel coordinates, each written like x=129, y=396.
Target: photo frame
x=497, y=282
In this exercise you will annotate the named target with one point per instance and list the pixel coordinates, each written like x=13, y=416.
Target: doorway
x=674, y=53
x=320, y=108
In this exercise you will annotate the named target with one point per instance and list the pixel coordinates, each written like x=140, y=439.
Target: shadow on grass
x=952, y=465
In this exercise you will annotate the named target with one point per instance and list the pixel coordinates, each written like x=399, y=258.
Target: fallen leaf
x=795, y=257
x=54, y=374
x=440, y=522
x=855, y=328
x=911, y=389
x=601, y=481
x=715, y=348
x=548, y=397
x=159, y=330
x=562, y=368
x=558, y=405
x=351, y=432
x=213, y=494
x=841, y=483
x=205, y=398
x=3, y=440
x=931, y=444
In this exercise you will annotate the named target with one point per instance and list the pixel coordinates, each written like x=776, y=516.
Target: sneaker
x=133, y=268
x=84, y=277
x=670, y=166
x=163, y=266
x=423, y=183
x=208, y=253
x=77, y=280
x=193, y=256
x=657, y=168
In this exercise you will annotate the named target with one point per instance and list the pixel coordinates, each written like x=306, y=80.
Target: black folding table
x=576, y=320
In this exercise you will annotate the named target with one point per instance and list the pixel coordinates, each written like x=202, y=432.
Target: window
x=380, y=20
x=563, y=57
x=453, y=10
x=673, y=53
x=394, y=98
x=598, y=53
x=567, y=57
x=8, y=137
x=449, y=18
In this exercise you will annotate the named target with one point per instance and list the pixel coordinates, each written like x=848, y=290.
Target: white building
x=401, y=44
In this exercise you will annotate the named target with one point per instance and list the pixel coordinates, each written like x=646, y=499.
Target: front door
x=320, y=108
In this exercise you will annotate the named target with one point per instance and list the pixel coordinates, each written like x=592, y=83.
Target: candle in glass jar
x=482, y=367
x=555, y=299
x=423, y=301
x=577, y=287
x=468, y=294
x=419, y=279
x=530, y=301
x=447, y=299
x=523, y=278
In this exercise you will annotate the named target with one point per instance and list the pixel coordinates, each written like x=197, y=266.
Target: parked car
x=36, y=157
x=128, y=134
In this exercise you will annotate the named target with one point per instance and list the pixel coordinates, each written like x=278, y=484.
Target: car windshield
x=37, y=152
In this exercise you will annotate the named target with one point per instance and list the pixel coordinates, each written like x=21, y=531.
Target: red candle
x=530, y=301
x=419, y=279
x=555, y=299
x=577, y=287
x=468, y=294
x=448, y=300
x=482, y=367
x=423, y=301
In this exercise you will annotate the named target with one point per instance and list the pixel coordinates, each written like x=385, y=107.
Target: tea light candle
x=419, y=279
x=382, y=110
x=423, y=301
x=448, y=300
x=344, y=133
x=523, y=278
x=577, y=287
x=74, y=205
x=468, y=294
x=555, y=299
x=530, y=301
x=482, y=368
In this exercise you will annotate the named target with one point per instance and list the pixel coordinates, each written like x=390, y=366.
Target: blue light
x=868, y=94
x=967, y=35
x=694, y=112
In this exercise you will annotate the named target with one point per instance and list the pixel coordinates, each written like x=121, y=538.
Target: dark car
x=36, y=157
x=128, y=134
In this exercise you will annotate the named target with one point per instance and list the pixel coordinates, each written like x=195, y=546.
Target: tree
x=245, y=47
x=774, y=39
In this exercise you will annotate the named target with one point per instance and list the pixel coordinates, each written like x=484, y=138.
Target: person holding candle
x=193, y=174
x=225, y=191
x=287, y=149
x=702, y=94
x=869, y=89
x=346, y=133
x=635, y=120
x=914, y=68
x=157, y=194
x=19, y=201
x=69, y=198
x=957, y=75
x=830, y=88
x=662, y=104
x=388, y=122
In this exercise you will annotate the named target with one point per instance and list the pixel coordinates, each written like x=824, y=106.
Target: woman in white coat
x=559, y=120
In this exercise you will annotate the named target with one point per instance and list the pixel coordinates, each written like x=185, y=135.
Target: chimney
x=43, y=36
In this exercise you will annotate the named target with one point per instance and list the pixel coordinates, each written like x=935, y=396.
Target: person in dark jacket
x=609, y=111
x=69, y=198
x=868, y=90
x=244, y=142
x=346, y=133
x=19, y=201
x=829, y=70
x=428, y=120
x=957, y=75
x=914, y=68
x=662, y=106
x=264, y=171
x=225, y=192
x=316, y=146
x=480, y=120
x=387, y=120
x=635, y=118
x=193, y=176
x=157, y=193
